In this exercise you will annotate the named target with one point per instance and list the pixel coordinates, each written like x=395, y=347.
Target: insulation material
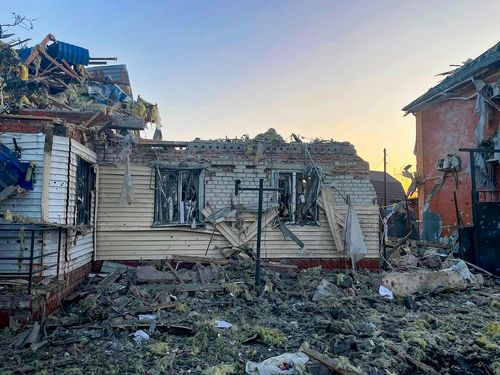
x=355, y=243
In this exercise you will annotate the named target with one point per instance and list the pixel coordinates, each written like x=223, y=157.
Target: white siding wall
x=82, y=246
x=14, y=243
x=76, y=250
x=31, y=146
x=125, y=232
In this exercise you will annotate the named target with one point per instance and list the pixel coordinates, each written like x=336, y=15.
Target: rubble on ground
x=211, y=319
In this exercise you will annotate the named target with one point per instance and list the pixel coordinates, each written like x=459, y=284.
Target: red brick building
x=463, y=111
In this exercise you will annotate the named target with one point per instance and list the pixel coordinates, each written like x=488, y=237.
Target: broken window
x=179, y=196
x=294, y=202
x=85, y=181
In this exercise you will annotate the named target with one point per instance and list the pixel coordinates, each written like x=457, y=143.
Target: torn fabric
x=127, y=193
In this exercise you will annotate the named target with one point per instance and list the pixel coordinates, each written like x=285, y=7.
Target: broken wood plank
x=223, y=228
x=287, y=233
x=60, y=104
x=331, y=215
x=172, y=269
x=267, y=217
x=150, y=309
x=331, y=363
x=195, y=259
x=340, y=218
x=10, y=191
x=109, y=266
x=94, y=119
x=110, y=279
x=200, y=288
x=421, y=366
x=288, y=268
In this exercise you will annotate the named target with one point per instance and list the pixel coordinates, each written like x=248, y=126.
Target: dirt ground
x=345, y=318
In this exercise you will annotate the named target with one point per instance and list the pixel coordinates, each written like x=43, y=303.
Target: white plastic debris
x=147, y=317
x=281, y=365
x=222, y=324
x=385, y=292
x=461, y=268
x=355, y=243
x=140, y=336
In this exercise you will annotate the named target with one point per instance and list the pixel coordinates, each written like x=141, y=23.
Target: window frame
x=85, y=186
x=294, y=199
x=158, y=171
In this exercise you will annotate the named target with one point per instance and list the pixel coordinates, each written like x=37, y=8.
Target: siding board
x=125, y=231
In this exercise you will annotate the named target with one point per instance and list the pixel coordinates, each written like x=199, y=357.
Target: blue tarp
x=61, y=51
x=12, y=170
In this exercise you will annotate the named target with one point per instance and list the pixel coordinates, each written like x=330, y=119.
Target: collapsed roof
x=458, y=78
x=52, y=76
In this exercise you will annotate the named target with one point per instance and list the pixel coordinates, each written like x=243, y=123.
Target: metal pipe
x=260, y=189
x=259, y=232
x=103, y=58
x=385, y=178
x=59, y=251
x=32, y=251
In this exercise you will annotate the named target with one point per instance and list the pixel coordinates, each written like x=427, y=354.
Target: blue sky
x=329, y=69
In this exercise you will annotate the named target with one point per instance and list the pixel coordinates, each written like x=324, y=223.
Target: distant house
x=394, y=189
x=463, y=111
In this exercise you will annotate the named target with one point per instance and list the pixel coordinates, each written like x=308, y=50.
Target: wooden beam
x=340, y=218
x=35, y=51
x=59, y=65
x=223, y=228
x=329, y=362
x=94, y=119
x=194, y=259
x=421, y=366
x=10, y=191
x=331, y=214
x=47, y=157
x=269, y=216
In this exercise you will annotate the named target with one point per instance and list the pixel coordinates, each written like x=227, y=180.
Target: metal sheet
x=489, y=236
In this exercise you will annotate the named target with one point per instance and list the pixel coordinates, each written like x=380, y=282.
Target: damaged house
x=78, y=185
x=457, y=149
x=178, y=198
x=51, y=108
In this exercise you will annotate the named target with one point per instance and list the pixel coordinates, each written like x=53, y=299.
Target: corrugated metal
x=125, y=232
x=69, y=52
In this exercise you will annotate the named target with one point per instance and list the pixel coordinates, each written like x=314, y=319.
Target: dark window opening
x=293, y=204
x=85, y=182
x=179, y=196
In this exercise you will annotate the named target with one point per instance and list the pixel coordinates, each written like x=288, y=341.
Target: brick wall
x=225, y=161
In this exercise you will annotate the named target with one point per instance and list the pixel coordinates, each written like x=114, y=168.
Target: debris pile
x=53, y=76
x=164, y=318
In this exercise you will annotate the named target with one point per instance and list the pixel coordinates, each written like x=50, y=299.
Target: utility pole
x=385, y=178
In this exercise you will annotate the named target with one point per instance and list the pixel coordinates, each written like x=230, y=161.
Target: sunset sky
x=330, y=69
